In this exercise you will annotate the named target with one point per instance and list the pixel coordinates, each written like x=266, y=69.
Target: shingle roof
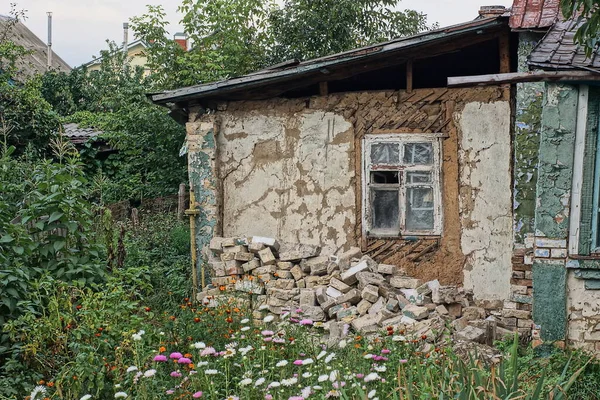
x=36, y=62
x=558, y=51
x=78, y=135
x=533, y=14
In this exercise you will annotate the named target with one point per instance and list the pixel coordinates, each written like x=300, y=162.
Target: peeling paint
x=485, y=199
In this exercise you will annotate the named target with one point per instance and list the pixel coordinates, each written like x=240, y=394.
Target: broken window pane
x=419, y=209
x=418, y=177
x=385, y=153
x=385, y=209
x=418, y=153
x=384, y=177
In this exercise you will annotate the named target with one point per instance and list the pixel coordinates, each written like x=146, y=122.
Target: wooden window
x=401, y=185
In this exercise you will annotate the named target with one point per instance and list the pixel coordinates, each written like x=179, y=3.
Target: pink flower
x=207, y=351
x=176, y=374
x=296, y=398
x=170, y=391
x=268, y=397
x=298, y=362
x=338, y=385
x=160, y=358
x=403, y=361
x=176, y=355
x=197, y=395
x=278, y=340
x=360, y=376
x=385, y=351
x=267, y=333
x=184, y=360
x=306, y=321
x=293, y=320
x=299, y=310
x=268, y=339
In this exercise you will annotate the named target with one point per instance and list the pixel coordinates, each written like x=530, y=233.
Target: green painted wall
x=526, y=142
x=555, y=170
x=550, y=299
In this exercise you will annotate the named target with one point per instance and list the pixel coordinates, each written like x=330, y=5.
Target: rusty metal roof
x=558, y=51
x=289, y=71
x=534, y=14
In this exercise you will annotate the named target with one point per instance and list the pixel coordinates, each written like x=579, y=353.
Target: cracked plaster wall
x=583, y=308
x=288, y=175
x=486, y=199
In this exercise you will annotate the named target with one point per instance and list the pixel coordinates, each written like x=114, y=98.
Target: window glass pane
x=385, y=153
x=385, y=209
x=418, y=153
x=384, y=177
x=418, y=177
x=419, y=208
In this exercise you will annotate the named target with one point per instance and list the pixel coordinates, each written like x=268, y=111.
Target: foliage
x=235, y=37
x=147, y=140
x=46, y=228
x=304, y=29
x=588, y=12
x=218, y=351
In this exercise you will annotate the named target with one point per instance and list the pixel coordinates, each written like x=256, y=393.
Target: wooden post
x=193, y=212
x=504, y=48
x=323, y=88
x=409, y=76
x=181, y=202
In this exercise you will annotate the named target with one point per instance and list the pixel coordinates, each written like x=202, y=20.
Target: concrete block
x=316, y=265
x=270, y=242
x=256, y=247
x=286, y=265
x=542, y=253
x=365, y=324
x=235, y=249
x=216, y=245
x=266, y=257
x=363, y=307
x=386, y=269
x=251, y=265
x=244, y=257
x=377, y=306
x=339, y=285
x=369, y=278
x=297, y=272
x=415, y=312
x=520, y=314
x=345, y=257
x=349, y=276
x=544, y=242
x=352, y=297
x=402, y=282
x=471, y=334
x=233, y=267
x=297, y=251
x=307, y=298
x=558, y=253
x=283, y=274
x=370, y=293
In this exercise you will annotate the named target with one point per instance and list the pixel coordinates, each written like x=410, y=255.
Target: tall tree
x=235, y=37
x=306, y=29
x=588, y=12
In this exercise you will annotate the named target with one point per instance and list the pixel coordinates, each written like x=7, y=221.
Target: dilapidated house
x=465, y=154
x=367, y=148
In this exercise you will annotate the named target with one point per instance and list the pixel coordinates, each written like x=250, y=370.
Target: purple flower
x=298, y=362
x=184, y=360
x=267, y=333
x=360, y=376
x=385, y=351
x=208, y=351
x=160, y=358
x=176, y=374
x=197, y=395
x=306, y=321
x=176, y=355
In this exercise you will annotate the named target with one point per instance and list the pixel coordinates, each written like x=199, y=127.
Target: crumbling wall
x=291, y=168
x=288, y=174
x=485, y=198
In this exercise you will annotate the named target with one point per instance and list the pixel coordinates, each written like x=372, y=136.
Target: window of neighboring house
x=401, y=185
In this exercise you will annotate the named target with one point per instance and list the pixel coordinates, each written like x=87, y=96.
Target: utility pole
x=49, y=65
x=125, y=42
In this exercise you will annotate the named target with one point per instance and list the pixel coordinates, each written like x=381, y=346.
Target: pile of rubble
x=350, y=289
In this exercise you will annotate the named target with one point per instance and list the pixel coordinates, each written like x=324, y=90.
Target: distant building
x=136, y=54
x=37, y=61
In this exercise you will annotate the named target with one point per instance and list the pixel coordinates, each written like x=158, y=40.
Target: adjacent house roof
x=356, y=61
x=534, y=14
x=36, y=62
x=78, y=135
x=131, y=45
x=558, y=51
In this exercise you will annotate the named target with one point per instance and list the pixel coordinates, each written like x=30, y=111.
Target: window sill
x=580, y=257
x=402, y=237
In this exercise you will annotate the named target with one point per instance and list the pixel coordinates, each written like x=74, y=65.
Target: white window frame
x=435, y=168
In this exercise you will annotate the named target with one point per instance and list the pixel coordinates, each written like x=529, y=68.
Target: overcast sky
x=80, y=27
